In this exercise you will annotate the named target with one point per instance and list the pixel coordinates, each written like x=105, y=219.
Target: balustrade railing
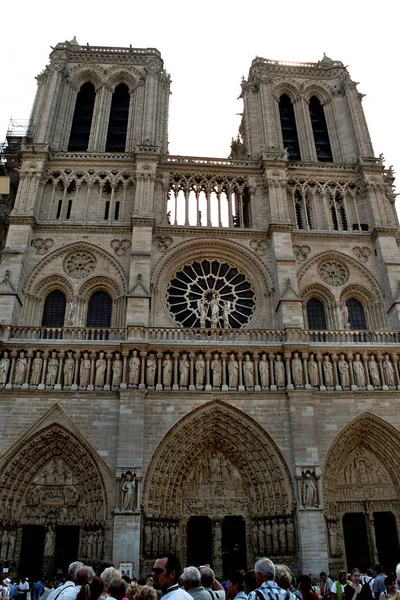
x=67, y=333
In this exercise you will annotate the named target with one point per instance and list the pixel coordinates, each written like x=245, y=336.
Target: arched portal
x=54, y=505
x=361, y=492
x=218, y=464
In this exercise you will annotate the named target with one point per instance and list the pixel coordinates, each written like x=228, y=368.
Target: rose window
x=79, y=264
x=212, y=294
x=333, y=273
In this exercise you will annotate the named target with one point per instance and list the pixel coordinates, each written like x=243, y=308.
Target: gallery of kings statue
x=198, y=355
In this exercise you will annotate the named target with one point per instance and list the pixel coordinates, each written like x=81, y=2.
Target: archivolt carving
x=50, y=283
x=117, y=75
x=320, y=90
x=286, y=87
x=228, y=445
x=359, y=292
x=362, y=464
x=318, y=291
x=52, y=478
x=96, y=283
x=82, y=74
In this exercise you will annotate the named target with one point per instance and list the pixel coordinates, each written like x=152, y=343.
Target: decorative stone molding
x=333, y=273
x=259, y=246
x=120, y=247
x=301, y=252
x=42, y=245
x=362, y=253
x=163, y=242
x=79, y=265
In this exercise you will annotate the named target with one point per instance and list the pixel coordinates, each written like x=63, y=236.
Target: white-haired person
x=264, y=571
x=107, y=577
x=190, y=580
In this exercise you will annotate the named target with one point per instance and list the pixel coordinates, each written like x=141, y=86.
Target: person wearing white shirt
x=166, y=573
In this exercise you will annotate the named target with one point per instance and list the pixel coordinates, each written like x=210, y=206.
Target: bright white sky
x=207, y=47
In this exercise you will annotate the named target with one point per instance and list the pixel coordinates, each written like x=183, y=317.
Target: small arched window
x=289, y=129
x=356, y=314
x=316, y=314
x=99, y=310
x=118, y=123
x=54, y=309
x=82, y=120
x=320, y=131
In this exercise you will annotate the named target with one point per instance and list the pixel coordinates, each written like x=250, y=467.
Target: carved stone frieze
x=120, y=247
x=42, y=245
x=162, y=242
x=301, y=252
x=259, y=246
x=362, y=253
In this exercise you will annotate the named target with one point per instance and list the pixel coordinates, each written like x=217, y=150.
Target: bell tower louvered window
x=320, y=131
x=82, y=120
x=289, y=129
x=118, y=123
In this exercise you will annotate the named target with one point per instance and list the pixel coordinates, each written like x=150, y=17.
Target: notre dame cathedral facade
x=199, y=353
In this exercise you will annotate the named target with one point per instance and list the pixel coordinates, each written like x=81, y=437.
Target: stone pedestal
x=312, y=540
x=126, y=546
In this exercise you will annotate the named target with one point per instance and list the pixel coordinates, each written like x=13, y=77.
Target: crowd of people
x=267, y=581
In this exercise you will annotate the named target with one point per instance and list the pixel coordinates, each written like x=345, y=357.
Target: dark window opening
x=316, y=315
x=356, y=314
x=107, y=210
x=334, y=217
x=118, y=123
x=299, y=210
x=116, y=213
x=99, y=310
x=289, y=129
x=82, y=120
x=320, y=131
x=59, y=207
x=54, y=309
x=308, y=209
x=69, y=208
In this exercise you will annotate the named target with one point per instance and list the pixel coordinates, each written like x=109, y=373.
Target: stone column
x=208, y=387
x=142, y=385
x=241, y=387
x=272, y=386
x=335, y=359
x=304, y=356
x=25, y=385
x=108, y=372
x=159, y=371
x=92, y=371
x=60, y=370
x=175, y=385
x=224, y=384
x=41, y=385
x=353, y=387
x=321, y=379
x=12, y=369
x=257, y=387
x=124, y=365
x=289, y=384
x=364, y=357
x=76, y=371
x=396, y=369
x=383, y=383
x=192, y=386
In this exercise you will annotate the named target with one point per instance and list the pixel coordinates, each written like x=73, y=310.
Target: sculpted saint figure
x=343, y=369
x=373, y=371
x=388, y=371
x=84, y=374
x=4, y=545
x=268, y=537
x=345, y=314
x=200, y=367
x=328, y=371
x=134, y=368
x=128, y=492
x=117, y=370
x=248, y=372
x=263, y=369
x=216, y=370
x=279, y=368
x=290, y=536
x=275, y=535
x=11, y=545
x=233, y=371
x=151, y=369
x=358, y=370
x=4, y=368
x=309, y=491
x=226, y=311
x=167, y=370
x=297, y=370
x=101, y=367
x=36, y=372
x=202, y=311
x=214, y=305
x=282, y=535
x=20, y=369
x=184, y=370
x=52, y=368
x=49, y=542
x=69, y=368
x=261, y=537
x=313, y=372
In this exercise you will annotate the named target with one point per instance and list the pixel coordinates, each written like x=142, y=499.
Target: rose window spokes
x=333, y=272
x=212, y=294
x=79, y=264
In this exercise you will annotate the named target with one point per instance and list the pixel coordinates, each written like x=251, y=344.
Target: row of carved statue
x=7, y=544
x=189, y=370
x=274, y=536
x=161, y=536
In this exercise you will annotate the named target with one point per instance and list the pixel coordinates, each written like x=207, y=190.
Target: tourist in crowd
x=379, y=581
x=91, y=590
x=191, y=582
x=48, y=587
x=235, y=586
x=326, y=585
x=306, y=588
x=107, y=576
x=133, y=590
x=117, y=589
x=68, y=591
x=147, y=592
x=355, y=589
x=250, y=583
x=211, y=584
x=166, y=573
x=339, y=585
x=264, y=570
x=284, y=579
x=390, y=584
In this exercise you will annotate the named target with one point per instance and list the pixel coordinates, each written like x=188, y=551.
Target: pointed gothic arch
x=216, y=461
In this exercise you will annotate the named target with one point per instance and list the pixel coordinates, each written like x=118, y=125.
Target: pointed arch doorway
x=217, y=475
x=361, y=493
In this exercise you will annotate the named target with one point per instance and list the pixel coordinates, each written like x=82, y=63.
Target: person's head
x=342, y=577
x=234, y=584
x=250, y=582
x=390, y=583
x=92, y=590
x=190, y=578
x=166, y=572
x=73, y=570
x=323, y=576
x=370, y=571
x=108, y=575
x=355, y=576
x=207, y=576
x=264, y=570
x=147, y=592
x=282, y=577
x=117, y=588
x=305, y=585
x=133, y=590
x=378, y=569
x=84, y=575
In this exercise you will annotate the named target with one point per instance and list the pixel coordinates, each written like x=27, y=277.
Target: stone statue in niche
x=297, y=370
x=374, y=372
x=200, y=367
x=216, y=369
x=84, y=374
x=343, y=368
x=129, y=492
x=217, y=540
x=69, y=369
x=4, y=368
x=388, y=371
x=202, y=311
x=290, y=536
x=167, y=370
x=282, y=536
x=275, y=536
x=268, y=537
x=4, y=545
x=226, y=311
x=263, y=369
x=261, y=537
x=184, y=370
x=248, y=372
x=147, y=538
x=20, y=369
x=255, y=535
x=313, y=372
x=71, y=312
x=52, y=369
x=309, y=491
x=49, y=542
x=101, y=367
x=358, y=370
x=11, y=544
x=233, y=371
x=279, y=369
x=151, y=369
x=345, y=315
x=335, y=545
x=134, y=368
x=328, y=371
x=37, y=365
x=117, y=370
x=214, y=306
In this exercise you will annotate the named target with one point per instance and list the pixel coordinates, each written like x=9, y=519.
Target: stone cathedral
x=199, y=355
